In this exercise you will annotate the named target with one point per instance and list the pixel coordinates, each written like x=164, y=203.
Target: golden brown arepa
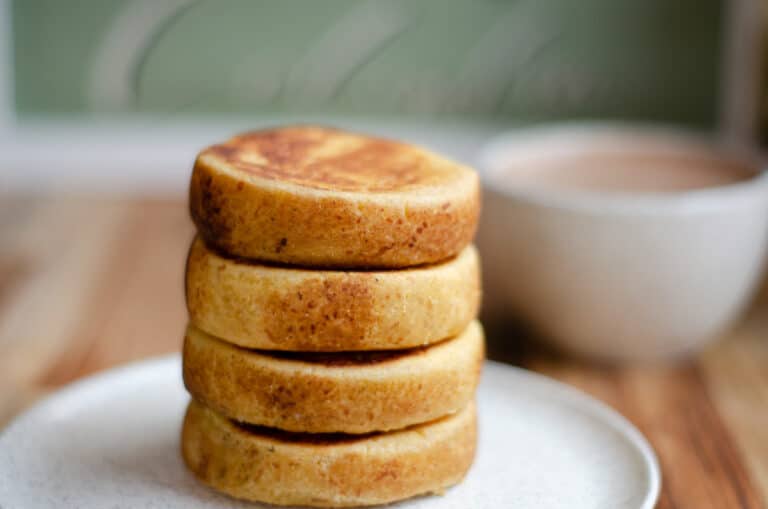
x=280, y=308
x=324, y=197
x=270, y=466
x=355, y=392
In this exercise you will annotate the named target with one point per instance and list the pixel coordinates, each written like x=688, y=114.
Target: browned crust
x=278, y=308
x=332, y=159
x=269, y=218
x=375, y=470
x=356, y=396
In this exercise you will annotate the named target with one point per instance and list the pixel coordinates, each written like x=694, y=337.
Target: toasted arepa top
x=332, y=159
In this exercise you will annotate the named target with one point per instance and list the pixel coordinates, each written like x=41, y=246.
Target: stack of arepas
x=332, y=352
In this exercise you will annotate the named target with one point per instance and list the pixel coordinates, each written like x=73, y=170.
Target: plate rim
x=606, y=414
x=93, y=382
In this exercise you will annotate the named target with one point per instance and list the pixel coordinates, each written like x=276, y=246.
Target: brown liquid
x=626, y=171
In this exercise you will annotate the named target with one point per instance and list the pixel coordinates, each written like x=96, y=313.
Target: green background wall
x=521, y=59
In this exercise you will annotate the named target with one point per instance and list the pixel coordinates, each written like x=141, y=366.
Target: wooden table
x=88, y=284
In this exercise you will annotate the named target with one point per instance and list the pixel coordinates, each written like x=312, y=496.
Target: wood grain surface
x=87, y=284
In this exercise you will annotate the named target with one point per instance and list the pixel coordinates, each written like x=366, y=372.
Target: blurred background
x=104, y=104
x=147, y=83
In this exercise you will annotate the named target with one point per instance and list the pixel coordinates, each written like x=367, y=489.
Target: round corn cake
x=355, y=392
x=266, y=465
x=324, y=197
x=281, y=308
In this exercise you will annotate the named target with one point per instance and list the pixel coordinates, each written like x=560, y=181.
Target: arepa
x=267, y=465
x=355, y=392
x=286, y=308
x=324, y=197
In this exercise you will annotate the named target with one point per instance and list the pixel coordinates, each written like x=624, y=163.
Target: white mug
x=619, y=276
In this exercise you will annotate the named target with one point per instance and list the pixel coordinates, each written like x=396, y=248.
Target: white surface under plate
x=112, y=441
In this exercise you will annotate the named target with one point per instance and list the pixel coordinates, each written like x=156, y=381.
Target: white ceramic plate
x=111, y=441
